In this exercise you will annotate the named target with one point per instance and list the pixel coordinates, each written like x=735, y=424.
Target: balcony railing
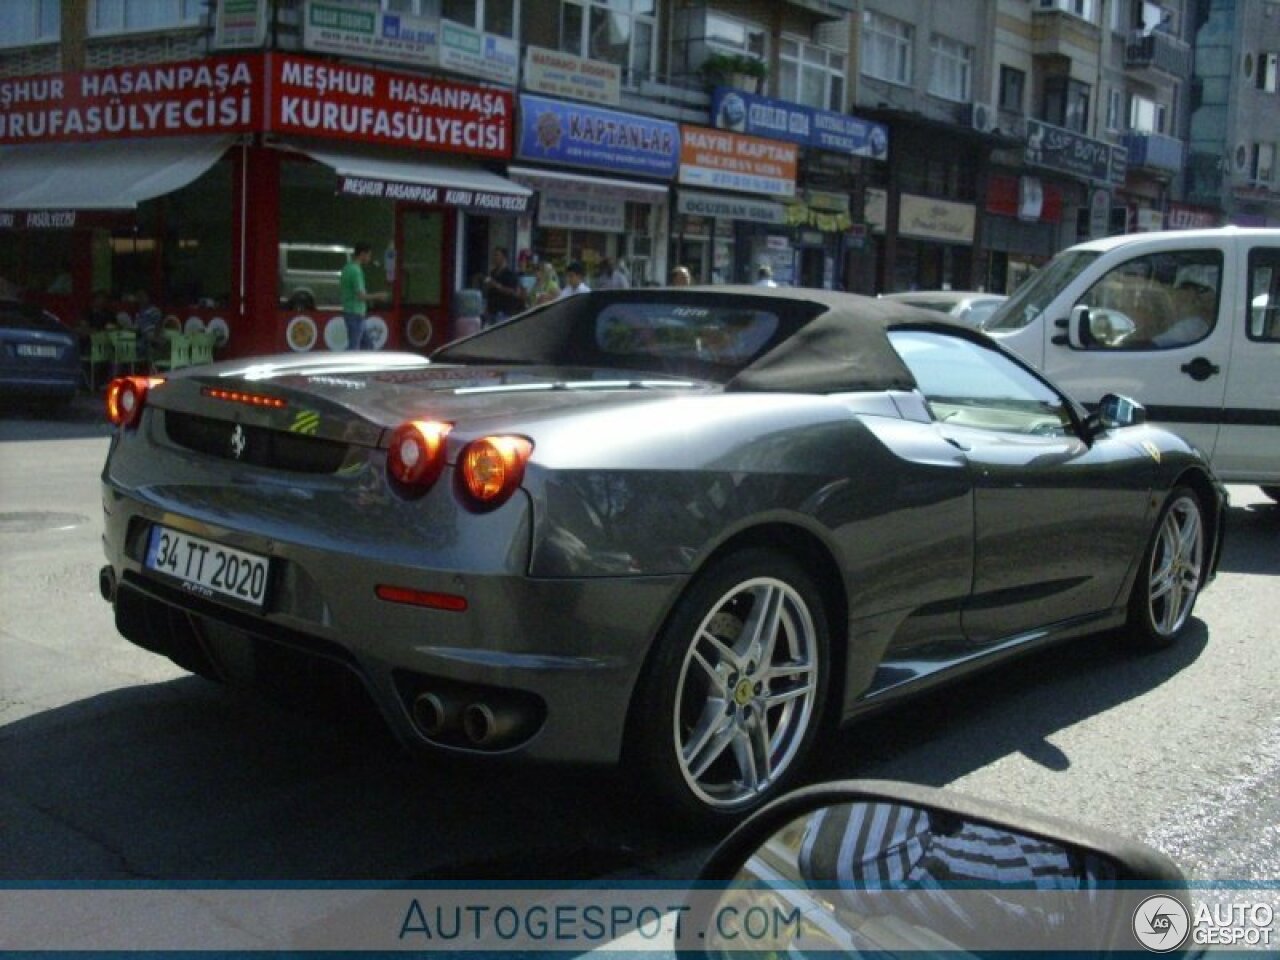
x=1159, y=52
x=1154, y=151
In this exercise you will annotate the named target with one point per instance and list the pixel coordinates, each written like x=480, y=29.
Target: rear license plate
x=208, y=569
x=44, y=351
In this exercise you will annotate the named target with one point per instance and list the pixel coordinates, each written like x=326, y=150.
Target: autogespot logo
x=1160, y=923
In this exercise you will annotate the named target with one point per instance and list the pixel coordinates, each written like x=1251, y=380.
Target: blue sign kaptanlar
x=783, y=120
x=560, y=132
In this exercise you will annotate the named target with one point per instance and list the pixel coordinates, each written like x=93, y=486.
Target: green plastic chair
x=202, y=345
x=177, y=355
x=99, y=355
x=125, y=350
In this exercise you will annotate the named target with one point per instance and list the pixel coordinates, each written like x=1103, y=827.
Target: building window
x=951, y=71
x=811, y=75
x=1084, y=9
x=1066, y=103
x=124, y=16
x=886, y=48
x=1262, y=164
x=1115, y=107
x=1267, y=75
x=728, y=35
x=1146, y=116
x=29, y=21
x=623, y=32
x=491, y=16
x=1013, y=84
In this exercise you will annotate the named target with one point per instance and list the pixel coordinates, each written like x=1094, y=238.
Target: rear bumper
x=558, y=658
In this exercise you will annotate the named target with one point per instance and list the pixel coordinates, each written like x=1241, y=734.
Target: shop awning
x=109, y=175
x=552, y=181
x=463, y=185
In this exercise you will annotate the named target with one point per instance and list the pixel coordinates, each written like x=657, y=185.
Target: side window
x=971, y=385
x=1156, y=302
x=1264, y=294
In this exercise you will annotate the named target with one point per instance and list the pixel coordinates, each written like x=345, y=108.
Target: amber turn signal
x=416, y=454
x=492, y=469
x=126, y=397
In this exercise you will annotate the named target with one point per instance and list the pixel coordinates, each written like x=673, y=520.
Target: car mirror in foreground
x=1115, y=411
x=864, y=867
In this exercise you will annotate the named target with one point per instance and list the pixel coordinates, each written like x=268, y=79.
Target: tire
x=726, y=714
x=1171, y=575
x=1273, y=493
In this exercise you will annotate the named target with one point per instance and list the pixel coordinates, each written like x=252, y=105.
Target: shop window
x=123, y=16
x=1013, y=85
x=491, y=16
x=315, y=217
x=811, y=74
x=1066, y=103
x=29, y=21
x=622, y=32
x=886, y=48
x=951, y=69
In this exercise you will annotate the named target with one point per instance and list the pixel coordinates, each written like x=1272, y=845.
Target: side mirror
x=1115, y=411
x=864, y=867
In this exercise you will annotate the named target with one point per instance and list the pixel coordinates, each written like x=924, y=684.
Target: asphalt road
x=116, y=765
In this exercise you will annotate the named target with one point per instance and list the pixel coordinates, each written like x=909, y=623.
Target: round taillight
x=126, y=397
x=415, y=456
x=492, y=468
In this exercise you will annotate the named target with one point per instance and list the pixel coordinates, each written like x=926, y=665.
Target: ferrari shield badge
x=1152, y=450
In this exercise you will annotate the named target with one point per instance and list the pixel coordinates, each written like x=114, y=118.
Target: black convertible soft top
x=826, y=342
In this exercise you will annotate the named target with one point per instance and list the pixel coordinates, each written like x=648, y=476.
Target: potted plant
x=734, y=70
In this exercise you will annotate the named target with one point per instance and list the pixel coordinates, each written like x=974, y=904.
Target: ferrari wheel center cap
x=742, y=693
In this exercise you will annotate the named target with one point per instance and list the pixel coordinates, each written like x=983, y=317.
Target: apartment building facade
x=221, y=153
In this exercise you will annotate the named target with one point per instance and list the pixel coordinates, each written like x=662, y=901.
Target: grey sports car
x=683, y=529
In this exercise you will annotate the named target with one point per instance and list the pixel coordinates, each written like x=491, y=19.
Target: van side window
x=1157, y=302
x=1264, y=294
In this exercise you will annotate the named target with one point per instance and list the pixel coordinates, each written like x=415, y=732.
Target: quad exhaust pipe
x=443, y=716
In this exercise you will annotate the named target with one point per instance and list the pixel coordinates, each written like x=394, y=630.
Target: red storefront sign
x=220, y=95
x=337, y=101
x=1182, y=217
x=214, y=95
x=1004, y=194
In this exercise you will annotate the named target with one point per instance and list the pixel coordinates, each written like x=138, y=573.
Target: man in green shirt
x=356, y=298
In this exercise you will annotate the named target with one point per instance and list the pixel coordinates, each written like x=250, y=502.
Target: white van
x=1186, y=322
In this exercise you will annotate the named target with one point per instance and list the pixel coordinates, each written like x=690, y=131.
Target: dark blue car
x=39, y=357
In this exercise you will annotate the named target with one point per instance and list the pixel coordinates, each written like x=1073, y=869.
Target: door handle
x=1200, y=369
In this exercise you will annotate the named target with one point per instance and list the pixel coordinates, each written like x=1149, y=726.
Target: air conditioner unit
x=983, y=118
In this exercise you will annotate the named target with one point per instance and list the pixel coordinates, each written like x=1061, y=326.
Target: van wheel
x=1171, y=574
x=1273, y=493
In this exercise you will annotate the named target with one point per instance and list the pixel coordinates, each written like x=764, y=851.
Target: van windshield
x=1031, y=299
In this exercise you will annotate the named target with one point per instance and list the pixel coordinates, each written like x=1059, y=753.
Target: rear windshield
x=702, y=335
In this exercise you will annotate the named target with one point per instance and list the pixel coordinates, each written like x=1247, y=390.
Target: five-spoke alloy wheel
x=736, y=689
x=1172, y=572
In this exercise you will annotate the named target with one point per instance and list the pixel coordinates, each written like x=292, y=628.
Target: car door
x=1154, y=334
x=1058, y=520
x=1249, y=440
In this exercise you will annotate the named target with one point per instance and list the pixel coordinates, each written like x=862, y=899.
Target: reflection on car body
x=682, y=529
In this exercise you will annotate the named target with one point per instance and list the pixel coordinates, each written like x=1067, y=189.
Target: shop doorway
x=424, y=264
x=695, y=253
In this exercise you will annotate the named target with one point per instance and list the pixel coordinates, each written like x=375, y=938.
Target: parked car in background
x=39, y=357
x=682, y=529
x=309, y=275
x=1187, y=322
x=968, y=306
